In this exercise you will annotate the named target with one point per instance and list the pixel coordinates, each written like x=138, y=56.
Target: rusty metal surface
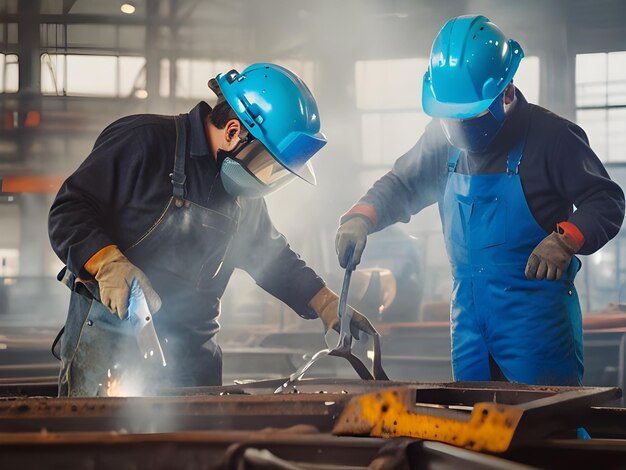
x=251, y=406
x=226, y=427
x=493, y=416
x=169, y=414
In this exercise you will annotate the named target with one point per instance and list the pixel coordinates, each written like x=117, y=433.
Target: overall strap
x=453, y=158
x=178, y=175
x=515, y=158
x=516, y=154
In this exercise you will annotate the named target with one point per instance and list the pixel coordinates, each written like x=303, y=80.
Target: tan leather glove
x=551, y=258
x=115, y=275
x=326, y=302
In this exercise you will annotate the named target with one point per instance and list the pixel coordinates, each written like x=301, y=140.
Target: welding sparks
x=114, y=387
x=124, y=383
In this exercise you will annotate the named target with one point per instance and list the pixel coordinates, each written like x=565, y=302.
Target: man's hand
x=551, y=258
x=115, y=275
x=353, y=232
x=326, y=303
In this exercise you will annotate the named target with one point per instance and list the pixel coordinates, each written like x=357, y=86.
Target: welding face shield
x=475, y=134
x=251, y=171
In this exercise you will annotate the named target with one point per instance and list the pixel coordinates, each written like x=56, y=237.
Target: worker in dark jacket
x=173, y=205
x=506, y=175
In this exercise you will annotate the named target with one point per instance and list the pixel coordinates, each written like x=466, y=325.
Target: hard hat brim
x=438, y=109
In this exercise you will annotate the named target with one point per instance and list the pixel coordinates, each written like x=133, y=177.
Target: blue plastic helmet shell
x=279, y=110
x=471, y=63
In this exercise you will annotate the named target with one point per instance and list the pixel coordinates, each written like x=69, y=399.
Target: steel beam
x=281, y=449
x=169, y=414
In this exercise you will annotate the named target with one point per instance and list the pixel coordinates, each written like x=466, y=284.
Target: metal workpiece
x=169, y=414
x=252, y=406
x=488, y=416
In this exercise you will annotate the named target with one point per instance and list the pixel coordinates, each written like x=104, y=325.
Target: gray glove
x=353, y=232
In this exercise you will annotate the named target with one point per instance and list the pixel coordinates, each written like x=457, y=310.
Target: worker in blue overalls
x=174, y=205
x=506, y=175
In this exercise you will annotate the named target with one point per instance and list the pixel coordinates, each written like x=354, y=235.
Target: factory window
x=93, y=75
x=192, y=75
x=527, y=78
x=389, y=98
x=601, y=102
x=8, y=73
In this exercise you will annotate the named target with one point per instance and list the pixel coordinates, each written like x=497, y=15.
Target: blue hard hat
x=279, y=110
x=471, y=63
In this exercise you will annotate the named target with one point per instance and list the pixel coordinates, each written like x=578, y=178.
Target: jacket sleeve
x=581, y=179
x=264, y=253
x=414, y=182
x=85, y=205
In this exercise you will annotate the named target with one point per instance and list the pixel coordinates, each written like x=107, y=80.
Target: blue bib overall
x=531, y=328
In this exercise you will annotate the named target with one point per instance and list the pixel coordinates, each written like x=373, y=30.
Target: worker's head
x=268, y=126
x=469, y=80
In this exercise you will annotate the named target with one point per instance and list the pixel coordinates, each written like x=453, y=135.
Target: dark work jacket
x=559, y=170
x=122, y=187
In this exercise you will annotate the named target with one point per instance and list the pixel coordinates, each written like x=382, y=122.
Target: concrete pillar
x=34, y=243
x=28, y=47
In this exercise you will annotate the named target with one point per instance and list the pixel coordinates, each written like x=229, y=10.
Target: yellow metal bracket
x=393, y=413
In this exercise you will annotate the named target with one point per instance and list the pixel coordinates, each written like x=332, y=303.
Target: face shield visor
x=475, y=134
x=252, y=171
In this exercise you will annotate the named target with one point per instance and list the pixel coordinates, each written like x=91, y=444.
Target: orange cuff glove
x=551, y=258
